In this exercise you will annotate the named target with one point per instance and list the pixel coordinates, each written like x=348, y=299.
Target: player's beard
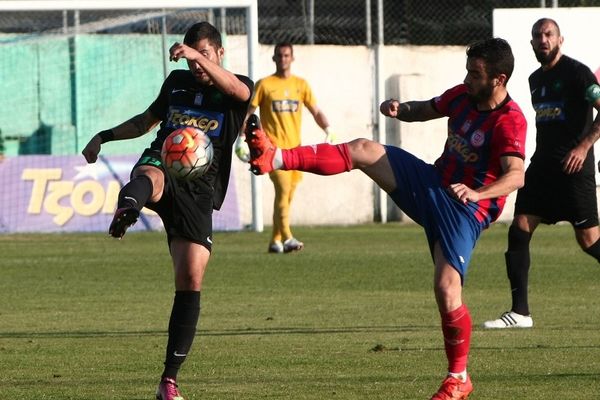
x=483, y=94
x=545, y=59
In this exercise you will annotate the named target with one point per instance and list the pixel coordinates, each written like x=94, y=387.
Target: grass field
x=83, y=316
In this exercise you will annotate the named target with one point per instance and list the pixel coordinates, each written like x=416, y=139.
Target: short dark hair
x=497, y=55
x=203, y=30
x=542, y=21
x=283, y=44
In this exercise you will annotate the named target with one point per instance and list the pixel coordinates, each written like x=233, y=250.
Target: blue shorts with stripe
x=419, y=193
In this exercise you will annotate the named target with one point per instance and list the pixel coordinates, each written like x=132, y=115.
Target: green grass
x=84, y=317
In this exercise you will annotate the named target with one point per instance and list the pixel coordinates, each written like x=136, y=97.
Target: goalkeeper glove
x=330, y=137
x=242, y=151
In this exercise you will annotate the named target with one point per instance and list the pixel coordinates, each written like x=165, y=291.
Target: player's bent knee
x=365, y=152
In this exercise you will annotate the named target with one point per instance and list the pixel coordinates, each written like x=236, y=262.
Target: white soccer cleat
x=509, y=319
x=292, y=244
x=276, y=247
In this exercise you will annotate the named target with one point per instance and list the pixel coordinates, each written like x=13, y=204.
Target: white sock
x=278, y=159
x=460, y=375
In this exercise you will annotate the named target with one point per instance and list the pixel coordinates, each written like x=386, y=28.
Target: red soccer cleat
x=454, y=389
x=123, y=219
x=167, y=390
x=262, y=151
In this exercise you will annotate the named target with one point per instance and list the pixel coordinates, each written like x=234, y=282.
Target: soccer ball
x=187, y=153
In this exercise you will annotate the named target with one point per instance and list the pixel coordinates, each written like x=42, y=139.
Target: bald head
x=544, y=21
x=546, y=42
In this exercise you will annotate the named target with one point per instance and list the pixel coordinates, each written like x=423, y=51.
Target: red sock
x=320, y=159
x=456, y=326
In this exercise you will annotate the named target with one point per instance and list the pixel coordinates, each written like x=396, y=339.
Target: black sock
x=594, y=250
x=182, y=329
x=136, y=193
x=517, y=268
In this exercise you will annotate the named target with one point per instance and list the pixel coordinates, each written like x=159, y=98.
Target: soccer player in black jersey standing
x=559, y=183
x=206, y=92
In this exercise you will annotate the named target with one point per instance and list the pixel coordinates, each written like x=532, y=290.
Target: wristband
x=107, y=135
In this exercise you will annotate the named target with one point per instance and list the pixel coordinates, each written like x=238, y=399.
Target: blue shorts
x=419, y=194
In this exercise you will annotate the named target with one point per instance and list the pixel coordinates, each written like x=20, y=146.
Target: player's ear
x=500, y=80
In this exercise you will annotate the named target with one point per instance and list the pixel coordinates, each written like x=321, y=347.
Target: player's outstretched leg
x=167, y=390
x=262, y=151
x=454, y=389
x=123, y=219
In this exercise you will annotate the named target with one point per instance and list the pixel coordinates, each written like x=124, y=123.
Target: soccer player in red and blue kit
x=453, y=199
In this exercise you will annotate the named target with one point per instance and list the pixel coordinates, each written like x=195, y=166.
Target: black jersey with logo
x=562, y=111
x=183, y=101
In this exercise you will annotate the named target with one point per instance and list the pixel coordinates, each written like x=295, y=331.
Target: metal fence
x=415, y=22
x=336, y=22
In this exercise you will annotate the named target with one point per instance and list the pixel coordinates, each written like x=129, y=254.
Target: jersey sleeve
x=250, y=85
x=442, y=103
x=589, y=84
x=510, y=135
x=308, y=97
x=160, y=106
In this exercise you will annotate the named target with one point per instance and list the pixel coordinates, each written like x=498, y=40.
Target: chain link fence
x=335, y=22
x=414, y=22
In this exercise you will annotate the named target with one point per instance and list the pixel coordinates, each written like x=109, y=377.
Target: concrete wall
x=343, y=81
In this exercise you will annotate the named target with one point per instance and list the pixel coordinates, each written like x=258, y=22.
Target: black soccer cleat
x=123, y=219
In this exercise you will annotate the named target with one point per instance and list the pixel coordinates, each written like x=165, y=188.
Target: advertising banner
x=65, y=194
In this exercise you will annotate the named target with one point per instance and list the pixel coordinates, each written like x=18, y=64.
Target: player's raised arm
x=205, y=64
x=409, y=111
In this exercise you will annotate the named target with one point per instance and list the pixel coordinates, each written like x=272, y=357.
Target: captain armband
x=107, y=135
x=592, y=93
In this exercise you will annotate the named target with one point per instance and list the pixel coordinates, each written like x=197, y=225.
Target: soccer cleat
x=123, y=219
x=454, y=389
x=262, y=151
x=509, y=319
x=167, y=390
x=292, y=244
x=276, y=247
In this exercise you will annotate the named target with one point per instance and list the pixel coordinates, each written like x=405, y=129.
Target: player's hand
x=242, y=151
x=463, y=193
x=573, y=161
x=330, y=137
x=180, y=50
x=92, y=149
x=390, y=108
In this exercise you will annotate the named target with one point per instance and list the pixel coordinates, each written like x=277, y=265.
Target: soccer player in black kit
x=559, y=183
x=206, y=95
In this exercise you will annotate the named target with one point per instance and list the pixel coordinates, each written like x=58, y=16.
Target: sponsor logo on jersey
x=285, y=105
x=459, y=145
x=209, y=122
x=552, y=111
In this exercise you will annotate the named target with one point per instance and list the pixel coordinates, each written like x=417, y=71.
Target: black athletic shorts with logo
x=555, y=196
x=185, y=207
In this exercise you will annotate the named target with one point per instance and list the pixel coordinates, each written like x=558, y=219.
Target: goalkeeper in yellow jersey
x=280, y=97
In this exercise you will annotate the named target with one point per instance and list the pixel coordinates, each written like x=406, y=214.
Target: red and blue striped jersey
x=476, y=142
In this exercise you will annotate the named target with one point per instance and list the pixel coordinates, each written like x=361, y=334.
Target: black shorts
x=185, y=207
x=555, y=196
